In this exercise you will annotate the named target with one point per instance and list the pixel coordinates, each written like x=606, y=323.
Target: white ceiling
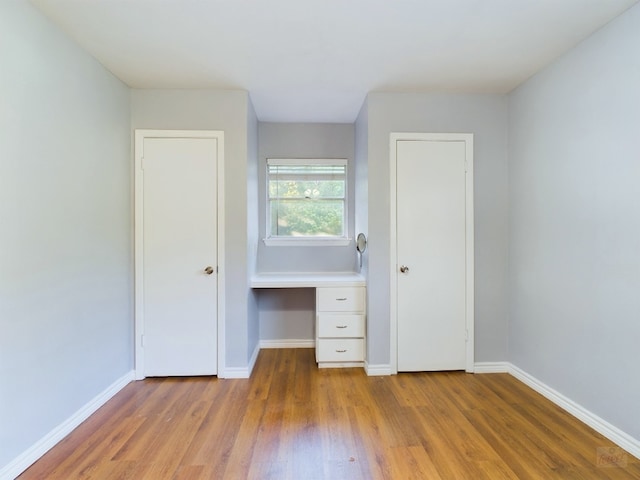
x=315, y=60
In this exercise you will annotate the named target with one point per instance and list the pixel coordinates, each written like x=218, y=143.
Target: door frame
x=140, y=136
x=393, y=241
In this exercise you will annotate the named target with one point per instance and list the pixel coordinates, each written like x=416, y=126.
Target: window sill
x=306, y=242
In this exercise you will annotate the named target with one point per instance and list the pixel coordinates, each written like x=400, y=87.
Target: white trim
x=377, y=370
x=308, y=161
x=140, y=135
x=288, y=343
x=138, y=248
x=470, y=254
x=307, y=241
x=237, y=372
x=613, y=433
x=393, y=253
x=242, y=372
x=307, y=280
x=42, y=446
x=491, y=367
x=254, y=358
x=222, y=272
x=393, y=273
x=340, y=364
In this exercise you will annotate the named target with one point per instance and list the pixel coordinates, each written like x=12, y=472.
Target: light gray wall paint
x=486, y=117
x=290, y=314
x=574, y=224
x=252, y=227
x=362, y=179
x=226, y=111
x=362, y=192
x=306, y=140
x=287, y=314
x=66, y=280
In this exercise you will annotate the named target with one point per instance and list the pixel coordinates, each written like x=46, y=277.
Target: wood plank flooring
x=291, y=420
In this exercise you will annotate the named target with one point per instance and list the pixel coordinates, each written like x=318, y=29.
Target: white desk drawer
x=336, y=325
x=340, y=350
x=340, y=299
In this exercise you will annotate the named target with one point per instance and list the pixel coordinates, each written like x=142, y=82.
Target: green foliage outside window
x=309, y=204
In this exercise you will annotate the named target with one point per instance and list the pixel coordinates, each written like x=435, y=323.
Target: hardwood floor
x=294, y=421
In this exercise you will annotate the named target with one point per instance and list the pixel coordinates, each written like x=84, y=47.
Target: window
x=306, y=201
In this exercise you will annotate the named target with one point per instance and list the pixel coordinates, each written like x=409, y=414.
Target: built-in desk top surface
x=307, y=280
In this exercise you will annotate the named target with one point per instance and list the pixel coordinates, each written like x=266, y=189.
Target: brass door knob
x=208, y=270
x=404, y=269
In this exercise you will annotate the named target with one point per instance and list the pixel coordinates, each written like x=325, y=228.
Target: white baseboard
x=254, y=358
x=340, y=364
x=27, y=458
x=620, y=438
x=245, y=372
x=613, y=433
x=42, y=446
x=236, y=372
x=377, y=370
x=288, y=343
x=491, y=367
x=242, y=372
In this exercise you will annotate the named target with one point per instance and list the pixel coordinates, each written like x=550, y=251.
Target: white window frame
x=309, y=241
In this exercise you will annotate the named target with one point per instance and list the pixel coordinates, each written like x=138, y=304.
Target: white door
x=431, y=260
x=178, y=332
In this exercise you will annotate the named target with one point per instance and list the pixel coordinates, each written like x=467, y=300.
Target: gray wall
x=66, y=254
x=253, y=233
x=227, y=111
x=289, y=314
x=66, y=283
x=574, y=224
x=362, y=179
x=305, y=140
x=486, y=117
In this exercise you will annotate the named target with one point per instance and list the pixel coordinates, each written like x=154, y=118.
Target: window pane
x=294, y=218
x=306, y=189
x=307, y=197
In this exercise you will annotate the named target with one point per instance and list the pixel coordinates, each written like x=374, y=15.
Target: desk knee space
x=340, y=328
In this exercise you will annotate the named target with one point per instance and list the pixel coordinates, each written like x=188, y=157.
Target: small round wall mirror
x=361, y=243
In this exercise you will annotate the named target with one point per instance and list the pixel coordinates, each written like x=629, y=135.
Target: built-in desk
x=307, y=280
x=340, y=312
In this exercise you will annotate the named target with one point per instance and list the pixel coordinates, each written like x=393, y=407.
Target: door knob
x=404, y=269
x=208, y=270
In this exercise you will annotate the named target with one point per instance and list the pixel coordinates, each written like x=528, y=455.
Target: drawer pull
x=341, y=299
x=341, y=326
x=341, y=351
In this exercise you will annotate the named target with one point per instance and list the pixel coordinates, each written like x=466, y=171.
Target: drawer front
x=340, y=350
x=336, y=325
x=340, y=299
